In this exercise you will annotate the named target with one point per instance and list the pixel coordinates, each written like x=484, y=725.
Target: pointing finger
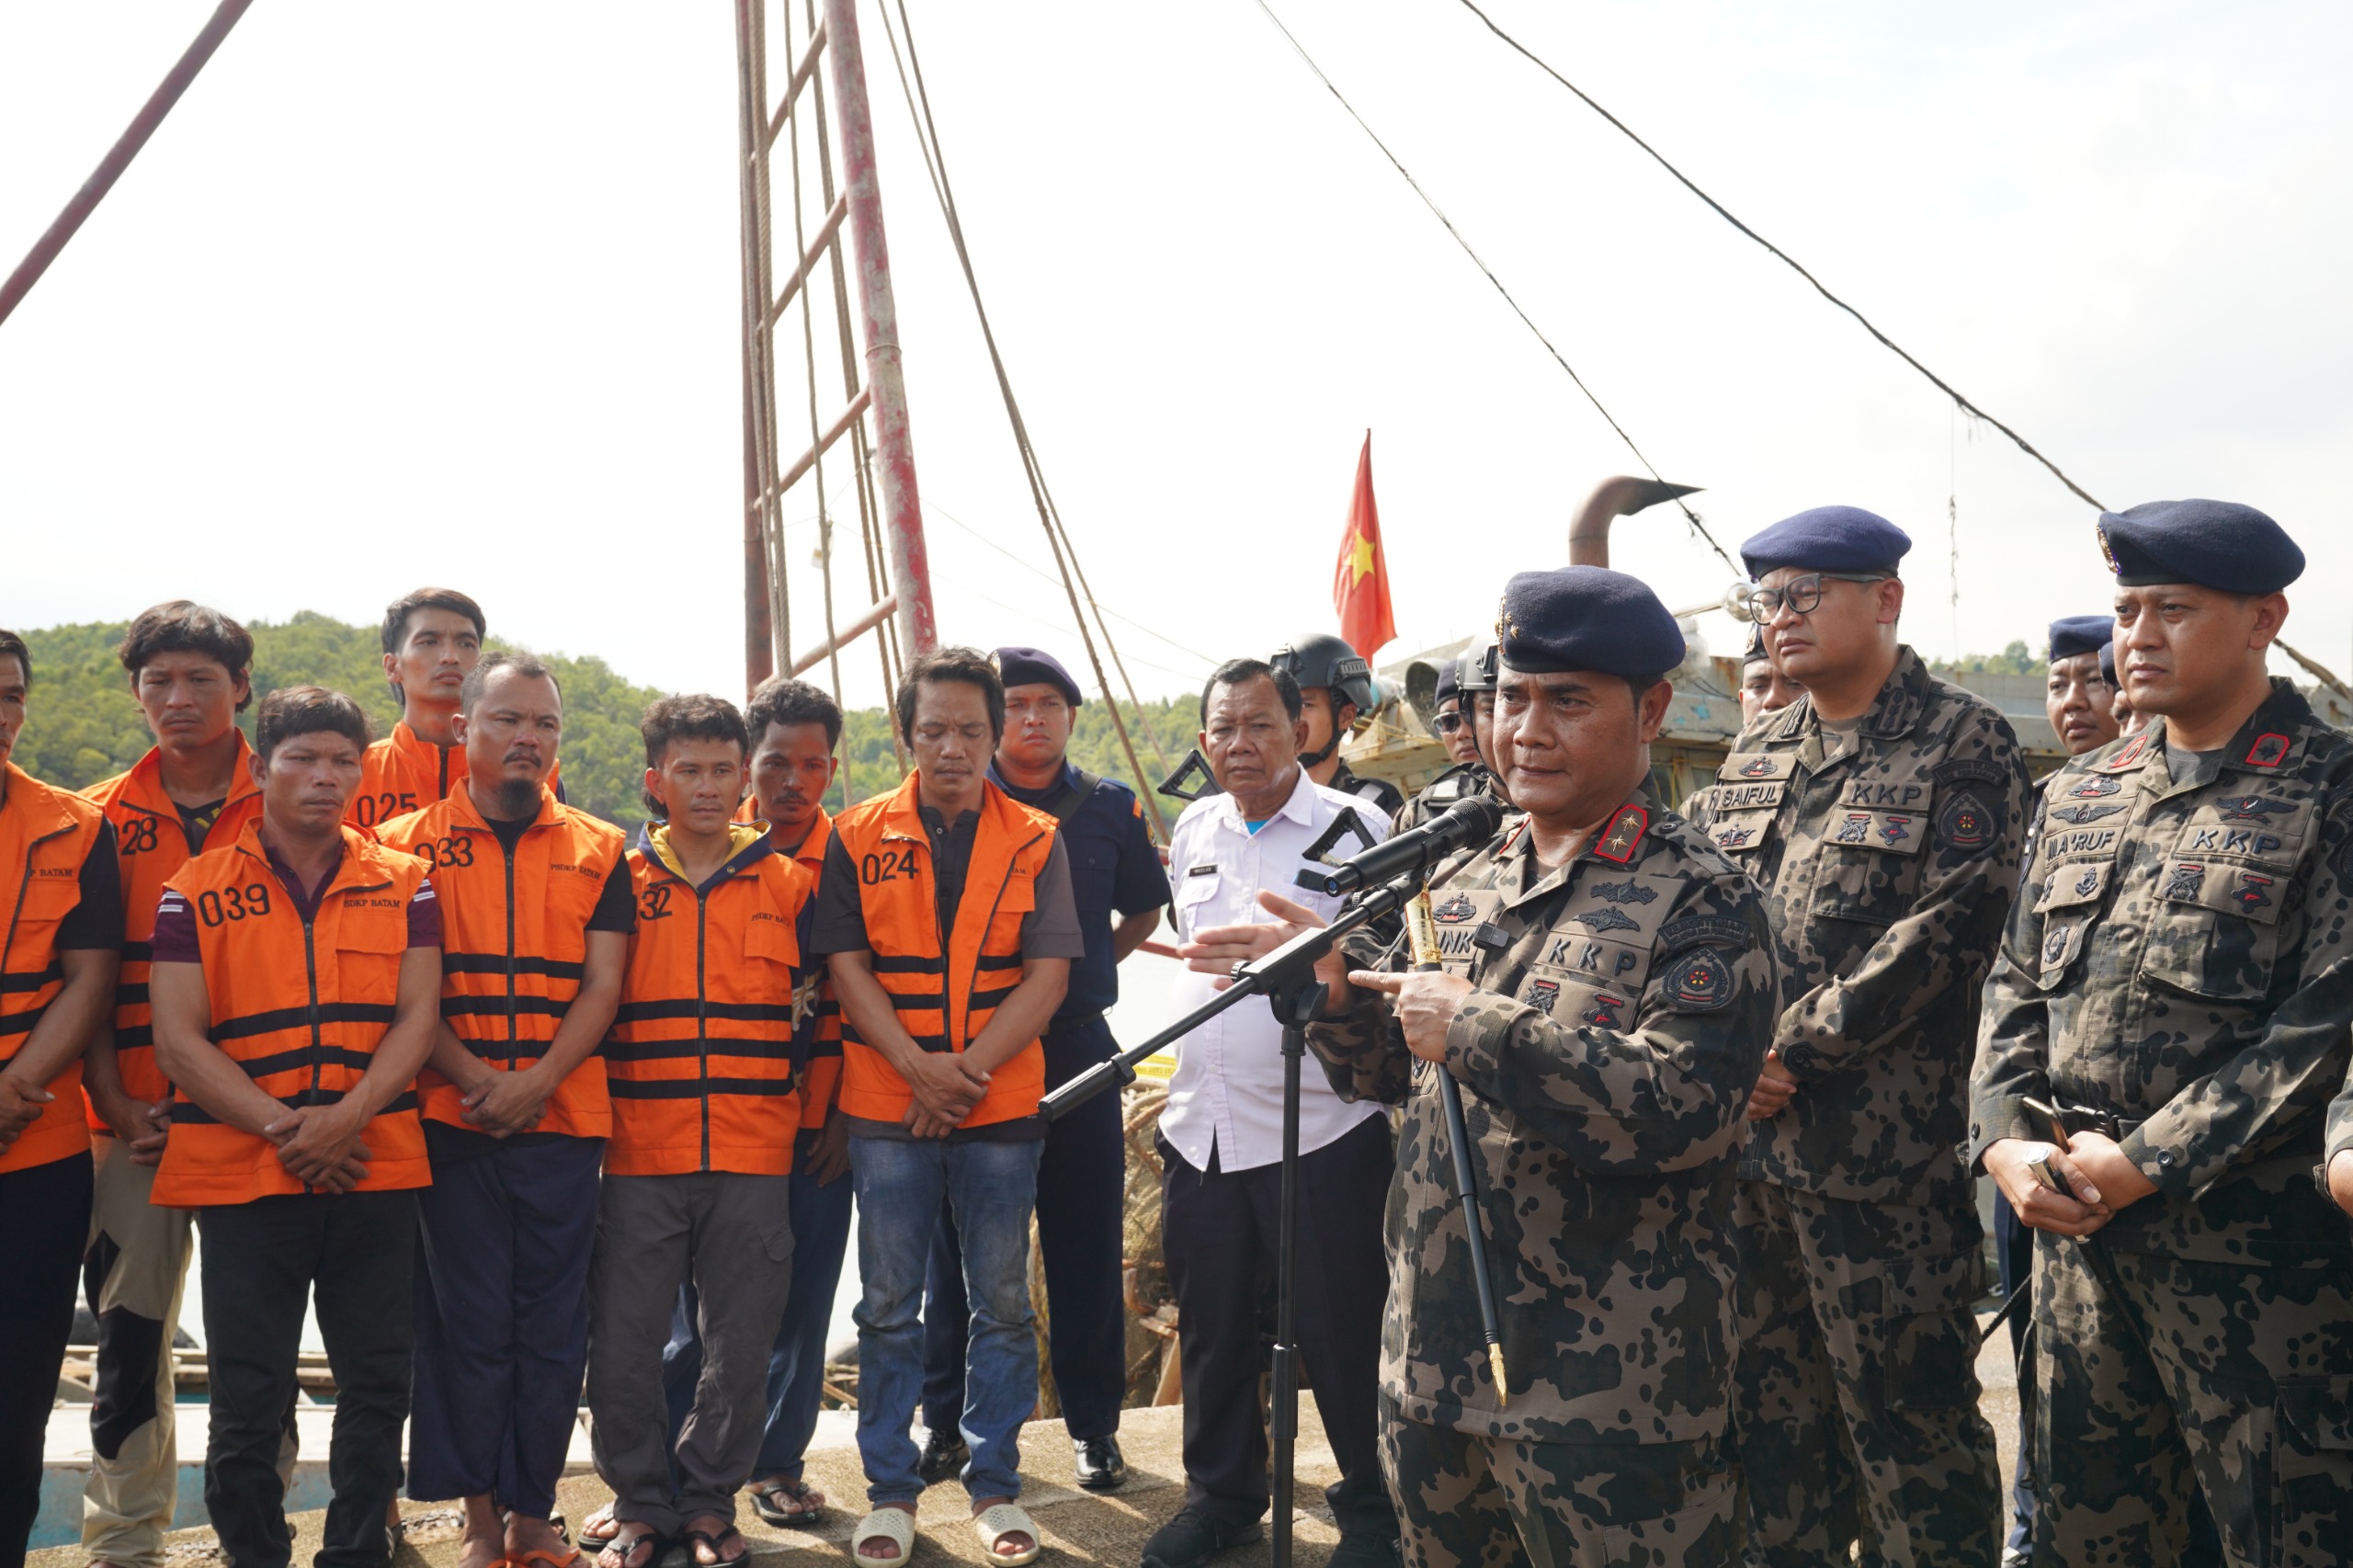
x=1378, y=980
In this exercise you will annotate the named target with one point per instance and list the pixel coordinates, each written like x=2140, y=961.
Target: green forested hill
x=83, y=726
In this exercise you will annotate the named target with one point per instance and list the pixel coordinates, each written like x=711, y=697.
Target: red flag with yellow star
x=1361, y=582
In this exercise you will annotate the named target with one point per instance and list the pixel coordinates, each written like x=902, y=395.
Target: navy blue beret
x=2107, y=664
x=1449, y=682
x=2214, y=544
x=1827, y=539
x=1033, y=667
x=2080, y=634
x=1755, y=645
x=1586, y=618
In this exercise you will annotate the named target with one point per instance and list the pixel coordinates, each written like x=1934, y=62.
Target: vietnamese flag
x=1361, y=581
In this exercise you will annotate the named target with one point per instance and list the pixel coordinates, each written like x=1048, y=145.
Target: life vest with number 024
x=945, y=991
x=822, y=1072
x=404, y=772
x=699, y=1062
x=46, y=833
x=514, y=943
x=300, y=1007
x=150, y=843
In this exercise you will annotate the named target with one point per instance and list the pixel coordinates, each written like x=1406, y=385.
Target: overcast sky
x=448, y=292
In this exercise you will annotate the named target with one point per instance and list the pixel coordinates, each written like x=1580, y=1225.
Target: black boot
x=944, y=1454
x=1192, y=1538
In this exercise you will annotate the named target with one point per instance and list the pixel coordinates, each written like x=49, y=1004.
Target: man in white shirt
x=1221, y=1149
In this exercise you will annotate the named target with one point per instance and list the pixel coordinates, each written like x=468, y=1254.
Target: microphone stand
x=1286, y=977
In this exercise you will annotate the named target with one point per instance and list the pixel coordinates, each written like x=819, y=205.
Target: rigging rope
x=1690, y=515
x=1049, y=517
x=1940, y=383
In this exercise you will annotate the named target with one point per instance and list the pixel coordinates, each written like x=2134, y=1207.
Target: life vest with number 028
x=821, y=1073
x=514, y=943
x=300, y=1007
x=701, y=1055
x=404, y=772
x=945, y=991
x=46, y=833
x=150, y=843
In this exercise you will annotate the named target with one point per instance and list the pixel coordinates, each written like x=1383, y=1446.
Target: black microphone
x=1462, y=826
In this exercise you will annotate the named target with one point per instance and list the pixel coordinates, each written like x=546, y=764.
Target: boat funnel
x=1620, y=496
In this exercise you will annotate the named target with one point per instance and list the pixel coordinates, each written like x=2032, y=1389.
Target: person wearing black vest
x=1121, y=887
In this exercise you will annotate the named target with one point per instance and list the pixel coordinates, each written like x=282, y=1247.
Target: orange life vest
x=301, y=1005
x=822, y=1072
x=45, y=835
x=152, y=844
x=514, y=940
x=700, y=1059
x=945, y=987
x=404, y=772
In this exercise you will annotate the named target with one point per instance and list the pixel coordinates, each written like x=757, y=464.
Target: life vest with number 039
x=45, y=835
x=514, y=942
x=822, y=1067
x=300, y=1007
x=700, y=1060
x=404, y=772
x=945, y=991
x=150, y=845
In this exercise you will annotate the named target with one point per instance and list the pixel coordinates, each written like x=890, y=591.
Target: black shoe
x=1362, y=1549
x=1100, y=1465
x=944, y=1454
x=1192, y=1538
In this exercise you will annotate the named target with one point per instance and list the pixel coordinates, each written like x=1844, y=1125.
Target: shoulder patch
x=1706, y=929
x=1966, y=824
x=1624, y=837
x=1698, y=982
x=1971, y=767
x=2268, y=751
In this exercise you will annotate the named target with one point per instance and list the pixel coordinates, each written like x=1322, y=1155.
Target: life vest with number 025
x=821, y=1072
x=700, y=1059
x=301, y=1005
x=945, y=991
x=404, y=772
x=514, y=943
x=150, y=843
x=46, y=833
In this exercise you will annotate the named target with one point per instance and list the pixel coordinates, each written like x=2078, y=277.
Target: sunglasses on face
x=1802, y=595
x=1446, y=723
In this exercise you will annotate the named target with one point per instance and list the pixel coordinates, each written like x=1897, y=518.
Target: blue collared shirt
x=1114, y=871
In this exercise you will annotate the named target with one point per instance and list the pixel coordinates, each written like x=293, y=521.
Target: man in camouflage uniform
x=2176, y=983
x=1881, y=813
x=1609, y=985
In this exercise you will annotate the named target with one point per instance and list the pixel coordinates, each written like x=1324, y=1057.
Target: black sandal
x=621, y=1549
x=704, y=1538
x=801, y=1515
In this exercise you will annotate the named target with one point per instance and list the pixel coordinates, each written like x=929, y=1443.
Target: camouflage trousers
x=2246, y=1383
x=1464, y=1500
x=1855, y=1393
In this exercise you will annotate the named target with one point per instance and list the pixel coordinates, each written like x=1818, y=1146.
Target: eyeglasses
x=1446, y=723
x=1802, y=595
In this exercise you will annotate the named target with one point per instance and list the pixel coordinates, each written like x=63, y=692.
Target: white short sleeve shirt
x=1227, y=1093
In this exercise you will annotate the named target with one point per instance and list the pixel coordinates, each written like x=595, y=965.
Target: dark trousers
x=1082, y=1203
x=263, y=1261
x=1219, y=1231
x=44, y=1219
x=502, y=1321
x=797, y=1361
x=2014, y=1252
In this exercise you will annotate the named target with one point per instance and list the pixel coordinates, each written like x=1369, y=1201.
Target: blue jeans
x=797, y=1363
x=990, y=1189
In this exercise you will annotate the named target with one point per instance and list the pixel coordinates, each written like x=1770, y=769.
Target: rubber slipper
x=803, y=1512
x=993, y=1524
x=893, y=1525
x=599, y=1526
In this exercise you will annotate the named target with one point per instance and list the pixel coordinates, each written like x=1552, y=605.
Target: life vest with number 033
x=700, y=1060
x=150, y=845
x=300, y=1007
x=404, y=772
x=945, y=991
x=822, y=1069
x=45, y=835
x=514, y=940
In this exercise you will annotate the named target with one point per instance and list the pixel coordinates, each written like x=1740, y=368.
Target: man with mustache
x=537, y=908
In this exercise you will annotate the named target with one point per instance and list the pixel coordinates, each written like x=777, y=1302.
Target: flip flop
x=797, y=1493
x=705, y=1539
x=599, y=1527
x=654, y=1542
x=993, y=1524
x=537, y=1558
